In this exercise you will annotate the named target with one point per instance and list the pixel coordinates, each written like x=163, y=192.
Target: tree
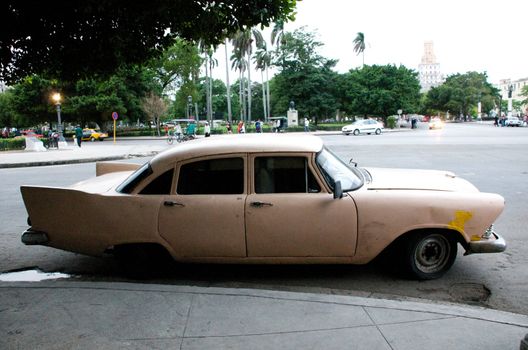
x=262, y=62
x=359, y=45
x=460, y=93
x=71, y=39
x=243, y=45
x=305, y=77
x=154, y=106
x=380, y=91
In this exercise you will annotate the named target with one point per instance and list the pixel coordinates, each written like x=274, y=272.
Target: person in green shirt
x=78, y=135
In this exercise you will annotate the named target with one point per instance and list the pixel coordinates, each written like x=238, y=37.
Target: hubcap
x=432, y=253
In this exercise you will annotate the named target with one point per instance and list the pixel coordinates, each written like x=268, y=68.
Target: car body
x=92, y=135
x=364, y=126
x=513, y=121
x=436, y=123
x=266, y=199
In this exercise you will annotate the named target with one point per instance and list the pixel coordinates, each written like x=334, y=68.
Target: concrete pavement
x=66, y=314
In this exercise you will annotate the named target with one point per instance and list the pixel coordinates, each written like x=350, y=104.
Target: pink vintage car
x=266, y=199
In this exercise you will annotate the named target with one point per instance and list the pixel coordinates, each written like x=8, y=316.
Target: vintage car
x=92, y=135
x=364, y=126
x=266, y=199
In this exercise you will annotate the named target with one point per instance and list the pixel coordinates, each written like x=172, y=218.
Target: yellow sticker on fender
x=461, y=217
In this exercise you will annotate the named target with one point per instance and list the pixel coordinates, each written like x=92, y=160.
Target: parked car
x=436, y=123
x=92, y=135
x=265, y=199
x=364, y=126
x=512, y=121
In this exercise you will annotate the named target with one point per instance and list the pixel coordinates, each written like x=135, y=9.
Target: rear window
x=212, y=176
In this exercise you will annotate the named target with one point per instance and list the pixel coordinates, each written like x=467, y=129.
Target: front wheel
x=356, y=132
x=429, y=255
x=92, y=139
x=378, y=131
x=169, y=140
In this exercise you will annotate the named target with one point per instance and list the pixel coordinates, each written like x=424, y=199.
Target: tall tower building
x=429, y=70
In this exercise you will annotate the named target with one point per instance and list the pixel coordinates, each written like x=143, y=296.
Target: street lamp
x=189, y=106
x=56, y=97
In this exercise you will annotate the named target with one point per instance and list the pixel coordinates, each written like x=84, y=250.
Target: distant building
x=429, y=70
x=517, y=86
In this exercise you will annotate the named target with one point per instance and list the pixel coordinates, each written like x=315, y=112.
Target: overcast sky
x=480, y=36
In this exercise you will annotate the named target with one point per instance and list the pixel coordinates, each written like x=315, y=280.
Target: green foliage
x=12, y=144
x=460, y=94
x=380, y=91
x=392, y=122
x=305, y=77
x=75, y=40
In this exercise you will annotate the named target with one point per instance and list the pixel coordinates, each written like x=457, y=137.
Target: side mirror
x=338, y=191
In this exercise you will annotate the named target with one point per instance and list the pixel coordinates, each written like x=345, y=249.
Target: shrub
x=12, y=144
x=392, y=121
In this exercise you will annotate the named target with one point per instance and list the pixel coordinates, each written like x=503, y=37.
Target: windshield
x=130, y=183
x=335, y=170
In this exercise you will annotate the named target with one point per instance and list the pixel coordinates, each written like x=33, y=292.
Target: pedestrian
x=258, y=126
x=166, y=130
x=207, y=130
x=496, y=123
x=191, y=129
x=78, y=135
x=306, y=125
x=277, y=125
x=240, y=127
x=229, y=128
x=178, y=131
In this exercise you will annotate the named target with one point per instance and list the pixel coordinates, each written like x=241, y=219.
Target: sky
x=483, y=36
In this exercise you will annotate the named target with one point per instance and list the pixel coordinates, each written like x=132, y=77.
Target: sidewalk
x=86, y=315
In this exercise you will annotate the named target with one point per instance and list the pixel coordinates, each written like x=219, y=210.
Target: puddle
x=31, y=276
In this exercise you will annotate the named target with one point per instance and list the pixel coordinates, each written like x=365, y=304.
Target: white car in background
x=513, y=121
x=364, y=126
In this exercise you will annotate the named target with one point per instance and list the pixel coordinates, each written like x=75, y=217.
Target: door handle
x=260, y=204
x=172, y=204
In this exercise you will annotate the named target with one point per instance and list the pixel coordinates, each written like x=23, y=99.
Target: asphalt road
x=494, y=159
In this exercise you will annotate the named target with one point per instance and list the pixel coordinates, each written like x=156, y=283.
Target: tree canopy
x=71, y=39
x=380, y=91
x=460, y=94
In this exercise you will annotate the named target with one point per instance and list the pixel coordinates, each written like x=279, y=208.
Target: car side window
x=212, y=176
x=284, y=175
x=160, y=185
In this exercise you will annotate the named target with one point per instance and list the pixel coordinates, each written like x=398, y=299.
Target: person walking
x=306, y=125
x=78, y=135
x=229, y=128
x=207, y=129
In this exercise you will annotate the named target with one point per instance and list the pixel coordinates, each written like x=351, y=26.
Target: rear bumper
x=493, y=244
x=32, y=237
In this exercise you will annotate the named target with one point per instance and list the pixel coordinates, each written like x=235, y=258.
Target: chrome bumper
x=31, y=237
x=493, y=244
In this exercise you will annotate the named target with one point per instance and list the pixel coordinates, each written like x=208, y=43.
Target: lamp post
x=57, y=99
x=189, y=106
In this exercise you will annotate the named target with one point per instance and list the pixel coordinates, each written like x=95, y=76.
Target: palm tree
x=277, y=34
x=243, y=43
x=262, y=62
x=359, y=45
x=229, y=115
x=239, y=63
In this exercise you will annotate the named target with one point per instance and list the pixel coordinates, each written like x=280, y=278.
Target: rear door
x=204, y=217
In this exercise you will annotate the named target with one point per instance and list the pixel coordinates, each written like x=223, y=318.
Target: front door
x=205, y=216
x=289, y=214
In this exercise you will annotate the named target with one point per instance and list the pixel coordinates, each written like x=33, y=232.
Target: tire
x=92, y=139
x=356, y=132
x=169, y=140
x=347, y=133
x=141, y=261
x=429, y=255
x=378, y=131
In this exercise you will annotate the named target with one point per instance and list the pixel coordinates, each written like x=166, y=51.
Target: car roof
x=245, y=143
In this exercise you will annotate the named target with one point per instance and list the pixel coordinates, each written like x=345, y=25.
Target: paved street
x=492, y=158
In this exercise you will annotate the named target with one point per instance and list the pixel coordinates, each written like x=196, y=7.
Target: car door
x=290, y=214
x=204, y=217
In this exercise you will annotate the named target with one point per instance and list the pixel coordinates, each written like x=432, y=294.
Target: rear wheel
x=429, y=255
x=378, y=131
x=92, y=139
x=356, y=132
x=143, y=260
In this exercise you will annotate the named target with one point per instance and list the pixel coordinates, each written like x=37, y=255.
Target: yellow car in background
x=92, y=135
x=436, y=123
